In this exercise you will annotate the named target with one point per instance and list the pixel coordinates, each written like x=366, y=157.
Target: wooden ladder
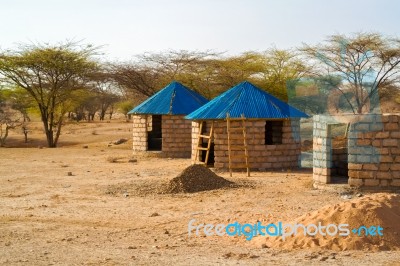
x=237, y=147
x=200, y=142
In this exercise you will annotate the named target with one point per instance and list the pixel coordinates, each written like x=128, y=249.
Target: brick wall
x=139, y=133
x=322, y=146
x=176, y=136
x=373, y=150
x=261, y=156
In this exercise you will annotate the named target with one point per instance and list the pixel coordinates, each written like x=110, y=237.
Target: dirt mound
x=196, y=178
x=381, y=209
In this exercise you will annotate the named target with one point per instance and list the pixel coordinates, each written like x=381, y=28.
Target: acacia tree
x=49, y=74
x=366, y=63
x=151, y=71
x=282, y=67
x=206, y=72
x=106, y=92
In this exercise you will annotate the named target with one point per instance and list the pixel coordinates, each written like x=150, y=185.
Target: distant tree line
x=70, y=81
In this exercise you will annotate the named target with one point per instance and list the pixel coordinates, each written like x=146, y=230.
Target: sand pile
x=196, y=178
x=381, y=209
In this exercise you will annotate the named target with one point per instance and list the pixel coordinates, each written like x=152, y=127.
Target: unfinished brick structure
x=175, y=132
x=373, y=150
x=278, y=149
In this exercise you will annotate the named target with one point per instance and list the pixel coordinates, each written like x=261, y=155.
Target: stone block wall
x=322, y=146
x=373, y=153
x=139, y=134
x=176, y=136
x=261, y=156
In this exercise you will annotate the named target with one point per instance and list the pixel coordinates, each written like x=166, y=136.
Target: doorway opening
x=154, y=133
x=339, y=153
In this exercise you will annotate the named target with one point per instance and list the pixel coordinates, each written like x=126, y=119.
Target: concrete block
x=354, y=166
x=391, y=126
x=384, y=167
x=371, y=182
x=384, y=175
x=367, y=174
x=363, y=127
x=363, y=158
x=394, y=118
x=382, y=135
x=385, y=119
x=395, y=151
x=384, y=151
x=390, y=143
x=354, y=174
x=376, y=127
x=395, y=182
x=355, y=182
x=386, y=159
x=324, y=179
x=377, y=143
x=395, y=167
x=395, y=174
x=364, y=142
x=395, y=135
x=370, y=167
x=383, y=183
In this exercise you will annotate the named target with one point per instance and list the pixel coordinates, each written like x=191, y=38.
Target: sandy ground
x=108, y=213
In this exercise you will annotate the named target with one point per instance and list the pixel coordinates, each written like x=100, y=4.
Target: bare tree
x=366, y=63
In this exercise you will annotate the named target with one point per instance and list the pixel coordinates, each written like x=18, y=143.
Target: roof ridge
x=250, y=101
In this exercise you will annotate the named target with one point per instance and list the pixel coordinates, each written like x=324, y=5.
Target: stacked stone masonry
x=176, y=136
x=261, y=156
x=373, y=151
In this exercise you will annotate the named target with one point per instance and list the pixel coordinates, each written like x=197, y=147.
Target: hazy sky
x=129, y=27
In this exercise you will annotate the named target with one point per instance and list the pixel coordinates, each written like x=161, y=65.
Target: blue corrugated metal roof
x=246, y=99
x=174, y=99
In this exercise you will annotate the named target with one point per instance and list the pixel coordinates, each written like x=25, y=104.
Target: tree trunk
x=59, y=125
x=25, y=131
x=3, y=138
x=102, y=113
x=47, y=129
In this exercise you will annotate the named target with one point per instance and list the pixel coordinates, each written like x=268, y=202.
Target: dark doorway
x=339, y=153
x=210, y=156
x=273, y=132
x=154, y=137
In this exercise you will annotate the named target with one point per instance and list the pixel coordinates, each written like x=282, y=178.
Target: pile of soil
x=381, y=209
x=196, y=178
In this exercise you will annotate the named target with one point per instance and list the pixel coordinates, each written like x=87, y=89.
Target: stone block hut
x=370, y=157
x=159, y=127
x=272, y=129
